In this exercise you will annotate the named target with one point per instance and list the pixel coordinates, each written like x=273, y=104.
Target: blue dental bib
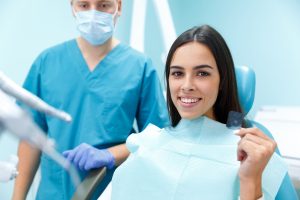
x=195, y=160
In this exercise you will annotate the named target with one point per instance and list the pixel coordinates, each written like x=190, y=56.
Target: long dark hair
x=227, y=99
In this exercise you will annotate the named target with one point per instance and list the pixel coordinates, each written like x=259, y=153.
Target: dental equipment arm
x=16, y=121
x=8, y=169
x=12, y=89
x=19, y=123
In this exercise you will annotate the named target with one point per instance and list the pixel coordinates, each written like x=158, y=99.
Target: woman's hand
x=254, y=151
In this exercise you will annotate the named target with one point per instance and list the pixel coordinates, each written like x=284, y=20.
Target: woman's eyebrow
x=176, y=67
x=202, y=66
x=194, y=68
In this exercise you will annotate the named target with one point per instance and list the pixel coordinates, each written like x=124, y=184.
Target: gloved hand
x=87, y=157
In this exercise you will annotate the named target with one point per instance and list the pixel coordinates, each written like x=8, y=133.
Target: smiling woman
x=194, y=81
x=198, y=155
x=205, y=60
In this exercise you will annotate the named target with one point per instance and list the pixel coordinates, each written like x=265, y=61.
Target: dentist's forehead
x=89, y=0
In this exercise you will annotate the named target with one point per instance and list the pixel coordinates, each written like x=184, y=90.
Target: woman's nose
x=188, y=85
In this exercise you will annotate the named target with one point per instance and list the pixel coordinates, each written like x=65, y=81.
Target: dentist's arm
x=29, y=160
x=120, y=153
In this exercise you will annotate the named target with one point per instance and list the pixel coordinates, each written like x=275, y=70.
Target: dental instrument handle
x=8, y=171
x=11, y=88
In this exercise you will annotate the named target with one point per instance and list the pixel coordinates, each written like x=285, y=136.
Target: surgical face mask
x=95, y=26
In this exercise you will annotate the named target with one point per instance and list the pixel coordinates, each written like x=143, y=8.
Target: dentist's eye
x=105, y=6
x=83, y=5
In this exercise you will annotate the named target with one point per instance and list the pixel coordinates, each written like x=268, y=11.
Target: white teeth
x=189, y=100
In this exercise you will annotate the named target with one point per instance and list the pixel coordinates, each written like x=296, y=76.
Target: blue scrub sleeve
x=33, y=84
x=152, y=106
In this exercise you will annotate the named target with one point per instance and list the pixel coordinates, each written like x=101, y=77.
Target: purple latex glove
x=87, y=157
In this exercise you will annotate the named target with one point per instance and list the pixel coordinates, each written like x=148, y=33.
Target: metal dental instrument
x=14, y=119
x=12, y=89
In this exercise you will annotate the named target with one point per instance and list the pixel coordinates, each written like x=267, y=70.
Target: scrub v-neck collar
x=100, y=67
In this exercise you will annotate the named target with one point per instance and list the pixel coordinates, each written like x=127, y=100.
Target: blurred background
x=262, y=34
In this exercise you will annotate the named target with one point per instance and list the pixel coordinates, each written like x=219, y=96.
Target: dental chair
x=246, y=91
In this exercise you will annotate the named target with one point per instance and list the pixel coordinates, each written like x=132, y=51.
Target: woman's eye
x=176, y=74
x=203, y=74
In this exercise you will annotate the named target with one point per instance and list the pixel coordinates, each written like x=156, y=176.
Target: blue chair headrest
x=245, y=78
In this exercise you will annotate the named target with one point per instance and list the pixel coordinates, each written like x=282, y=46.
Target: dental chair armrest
x=90, y=183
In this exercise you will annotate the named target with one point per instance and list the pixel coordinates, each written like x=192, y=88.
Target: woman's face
x=194, y=81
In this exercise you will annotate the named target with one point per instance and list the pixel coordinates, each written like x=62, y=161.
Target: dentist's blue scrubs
x=103, y=104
